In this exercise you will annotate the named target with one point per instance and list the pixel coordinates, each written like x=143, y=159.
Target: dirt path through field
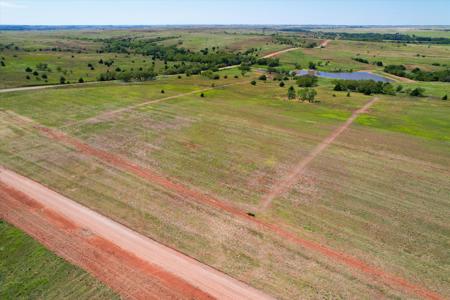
x=279, y=52
x=188, y=278
x=109, y=114
x=283, y=185
x=323, y=44
x=191, y=194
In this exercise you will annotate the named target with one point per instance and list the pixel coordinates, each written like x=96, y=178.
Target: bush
x=28, y=70
x=81, y=80
x=253, y=82
x=307, y=94
x=307, y=81
x=263, y=77
x=291, y=93
x=417, y=92
x=62, y=80
x=202, y=95
x=444, y=98
x=282, y=84
x=361, y=60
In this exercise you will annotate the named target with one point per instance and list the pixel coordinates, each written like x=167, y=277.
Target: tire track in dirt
x=283, y=185
x=160, y=271
x=192, y=194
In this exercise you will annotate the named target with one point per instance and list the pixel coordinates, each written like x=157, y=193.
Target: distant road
x=40, y=87
x=201, y=276
x=49, y=86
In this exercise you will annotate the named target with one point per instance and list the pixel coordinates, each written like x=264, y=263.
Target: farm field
x=339, y=54
x=31, y=271
x=205, y=143
x=346, y=196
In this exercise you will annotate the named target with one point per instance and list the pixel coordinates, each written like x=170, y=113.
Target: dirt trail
x=173, y=270
x=283, y=185
x=108, y=114
x=323, y=44
x=190, y=194
x=279, y=52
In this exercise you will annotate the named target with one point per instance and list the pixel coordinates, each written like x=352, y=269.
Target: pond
x=344, y=75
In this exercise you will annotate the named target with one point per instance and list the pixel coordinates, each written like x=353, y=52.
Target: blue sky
x=149, y=12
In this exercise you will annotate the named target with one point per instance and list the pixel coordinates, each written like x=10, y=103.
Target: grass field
x=379, y=192
x=339, y=54
x=234, y=143
x=29, y=271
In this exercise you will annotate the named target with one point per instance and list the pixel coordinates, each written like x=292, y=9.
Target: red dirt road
x=190, y=194
x=290, y=179
x=135, y=266
x=279, y=52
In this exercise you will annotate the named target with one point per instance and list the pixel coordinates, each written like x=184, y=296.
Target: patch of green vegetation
x=29, y=271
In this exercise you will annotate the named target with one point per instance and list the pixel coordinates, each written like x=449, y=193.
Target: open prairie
x=346, y=196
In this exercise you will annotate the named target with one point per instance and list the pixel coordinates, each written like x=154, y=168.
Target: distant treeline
x=212, y=58
x=418, y=74
x=377, y=37
x=396, y=37
x=366, y=87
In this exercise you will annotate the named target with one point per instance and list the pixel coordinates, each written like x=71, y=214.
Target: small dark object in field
x=253, y=82
x=179, y=76
x=225, y=76
x=445, y=97
x=235, y=76
x=202, y=95
x=251, y=214
x=282, y=84
x=162, y=92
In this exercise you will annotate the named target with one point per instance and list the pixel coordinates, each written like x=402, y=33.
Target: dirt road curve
x=323, y=44
x=279, y=52
x=180, y=272
x=290, y=179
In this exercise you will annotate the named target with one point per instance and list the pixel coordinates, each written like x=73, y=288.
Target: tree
x=307, y=94
x=307, y=81
x=35, y=73
x=291, y=93
x=312, y=65
x=445, y=97
x=81, y=80
x=162, y=91
x=253, y=82
x=28, y=70
x=62, y=80
x=282, y=84
x=2, y=63
x=263, y=77
x=202, y=95
x=417, y=92
x=399, y=88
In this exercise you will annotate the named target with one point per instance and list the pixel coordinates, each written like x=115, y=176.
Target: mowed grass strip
x=29, y=271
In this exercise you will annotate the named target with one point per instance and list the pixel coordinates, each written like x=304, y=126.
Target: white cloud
x=9, y=4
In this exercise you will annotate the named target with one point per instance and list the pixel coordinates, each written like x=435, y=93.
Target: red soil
x=127, y=274
x=189, y=193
